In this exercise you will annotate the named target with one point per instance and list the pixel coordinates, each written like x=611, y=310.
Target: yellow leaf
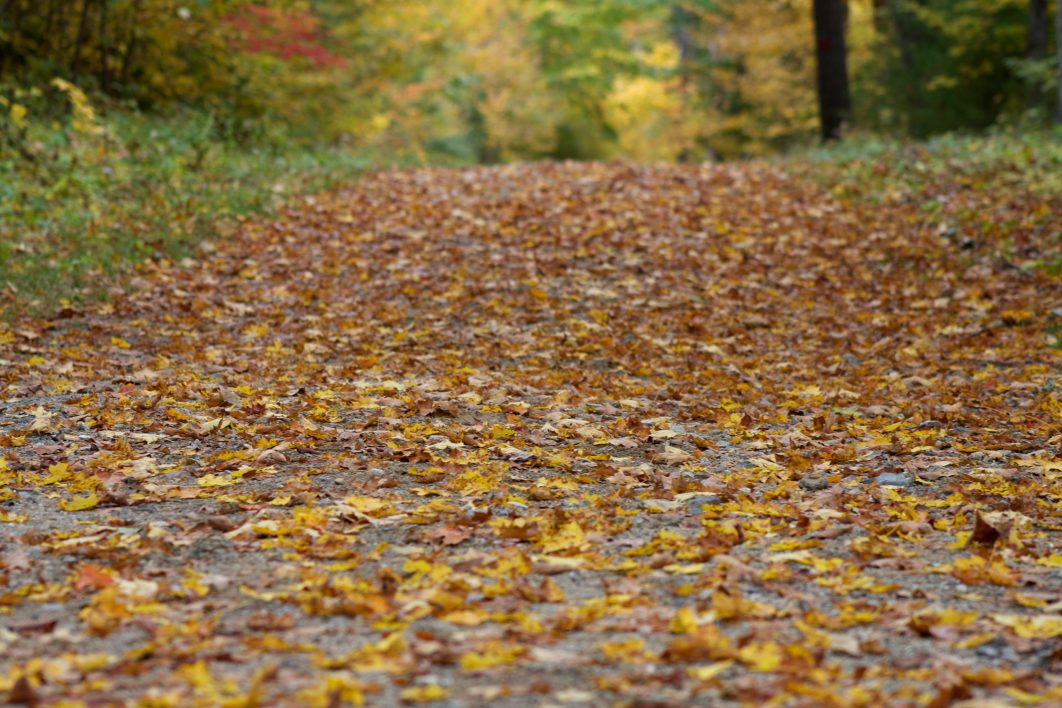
x=1052, y=561
x=119, y=342
x=493, y=654
x=468, y=618
x=629, y=650
x=684, y=569
x=765, y=656
x=974, y=640
x=709, y=672
x=59, y=472
x=255, y=331
x=684, y=621
x=569, y=537
x=988, y=676
x=80, y=503
x=1028, y=600
x=191, y=583
x=1032, y=699
x=1032, y=626
x=216, y=480
x=372, y=506
x=424, y=694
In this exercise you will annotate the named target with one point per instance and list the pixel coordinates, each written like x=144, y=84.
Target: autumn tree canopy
x=492, y=80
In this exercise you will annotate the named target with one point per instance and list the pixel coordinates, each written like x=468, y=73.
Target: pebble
x=814, y=483
x=894, y=480
x=694, y=505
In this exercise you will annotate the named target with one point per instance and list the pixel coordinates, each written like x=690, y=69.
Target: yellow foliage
x=770, y=41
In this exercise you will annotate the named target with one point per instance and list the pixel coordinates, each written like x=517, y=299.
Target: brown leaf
x=23, y=693
x=450, y=535
x=984, y=532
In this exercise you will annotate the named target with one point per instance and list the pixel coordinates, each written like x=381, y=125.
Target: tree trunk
x=1036, y=32
x=832, y=58
x=1058, y=43
x=130, y=47
x=82, y=35
x=105, y=70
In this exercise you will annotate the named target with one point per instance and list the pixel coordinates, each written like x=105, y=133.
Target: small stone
x=892, y=479
x=814, y=483
x=694, y=505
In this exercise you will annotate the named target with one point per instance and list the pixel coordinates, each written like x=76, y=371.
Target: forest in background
x=496, y=80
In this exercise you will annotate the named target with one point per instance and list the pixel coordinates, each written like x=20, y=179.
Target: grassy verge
x=875, y=167
x=80, y=202
x=998, y=192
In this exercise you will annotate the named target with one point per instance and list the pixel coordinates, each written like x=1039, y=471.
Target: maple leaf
x=92, y=576
x=1032, y=627
x=450, y=535
x=43, y=421
x=82, y=503
x=672, y=455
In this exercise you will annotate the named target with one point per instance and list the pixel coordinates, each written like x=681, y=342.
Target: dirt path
x=544, y=435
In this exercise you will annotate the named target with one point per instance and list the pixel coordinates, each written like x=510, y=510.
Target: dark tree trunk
x=1058, y=44
x=831, y=53
x=130, y=47
x=1036, y=36
x=10, y=33
x=1036, y=32
x=105, y=69
x=50, y=21
x=82, y=35
x=7, y=24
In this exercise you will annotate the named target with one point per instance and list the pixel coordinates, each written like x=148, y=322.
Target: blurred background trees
x=496, y=80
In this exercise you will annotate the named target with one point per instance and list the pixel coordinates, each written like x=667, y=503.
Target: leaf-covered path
x=549, y=434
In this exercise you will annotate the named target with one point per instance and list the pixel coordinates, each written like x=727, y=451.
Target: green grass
x=985, y=170
x=871, y=166
x=77, y=209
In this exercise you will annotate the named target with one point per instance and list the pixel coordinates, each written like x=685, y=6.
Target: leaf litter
x=548, y=434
